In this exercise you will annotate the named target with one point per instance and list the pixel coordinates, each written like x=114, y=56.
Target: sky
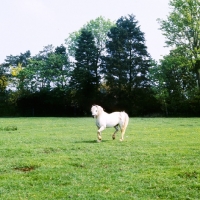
x=32, y=24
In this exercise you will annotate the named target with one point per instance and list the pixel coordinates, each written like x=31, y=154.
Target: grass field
x=59, y=158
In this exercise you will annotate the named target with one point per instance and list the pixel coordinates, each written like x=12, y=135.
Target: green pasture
x=59, y=158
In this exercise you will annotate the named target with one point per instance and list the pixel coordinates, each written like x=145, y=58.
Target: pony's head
x=96, y=110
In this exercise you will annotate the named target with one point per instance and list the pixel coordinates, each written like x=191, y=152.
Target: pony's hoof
x=98, y=141
x=121, y=140
x=113, y=137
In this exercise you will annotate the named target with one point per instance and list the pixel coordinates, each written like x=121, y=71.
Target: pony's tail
x=124, y=124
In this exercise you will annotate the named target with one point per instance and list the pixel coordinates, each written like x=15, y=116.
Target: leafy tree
x=21, y=59
x=59, y=65
x=127, y=63
x=12, y=64
x=47, y=70
x=174, y=85
x=182, y=31
x=3, y=79
x=3, y=83
x=3, y=92
x=99, y=29
x=9, y=80
x=45, y=84
x=84, y=77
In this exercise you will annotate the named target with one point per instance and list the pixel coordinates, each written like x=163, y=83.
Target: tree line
x=108, y=63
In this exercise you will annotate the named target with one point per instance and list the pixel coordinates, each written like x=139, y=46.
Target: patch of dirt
x=25, y=169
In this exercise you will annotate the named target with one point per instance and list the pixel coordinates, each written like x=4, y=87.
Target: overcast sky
x=33, y=24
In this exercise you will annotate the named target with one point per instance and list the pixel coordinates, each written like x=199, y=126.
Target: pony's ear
x=100, y=109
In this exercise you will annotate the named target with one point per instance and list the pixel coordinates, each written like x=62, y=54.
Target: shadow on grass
x=91, y=141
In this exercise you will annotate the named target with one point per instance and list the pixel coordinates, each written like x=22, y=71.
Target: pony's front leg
x=99, y=134
x=116, y=130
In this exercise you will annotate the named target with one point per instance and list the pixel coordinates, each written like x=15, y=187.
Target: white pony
x=105, y=120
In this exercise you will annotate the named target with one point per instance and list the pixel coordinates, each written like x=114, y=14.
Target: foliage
x=13, y=66
x=59, y=158
x=173, y=83
x=3, y=78
x=16, y=70
x=127, y=62
x=182, y=31
x=47, y=69
x=85, y=77
x=46, y=73
x=108, y=64
x=99, y=29
x=21, y=59
x=3, y=83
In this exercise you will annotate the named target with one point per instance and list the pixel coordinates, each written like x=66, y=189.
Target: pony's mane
x=98, y=105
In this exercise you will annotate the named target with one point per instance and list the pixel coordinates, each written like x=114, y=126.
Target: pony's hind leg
x=123, y=132
x=116, y=130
